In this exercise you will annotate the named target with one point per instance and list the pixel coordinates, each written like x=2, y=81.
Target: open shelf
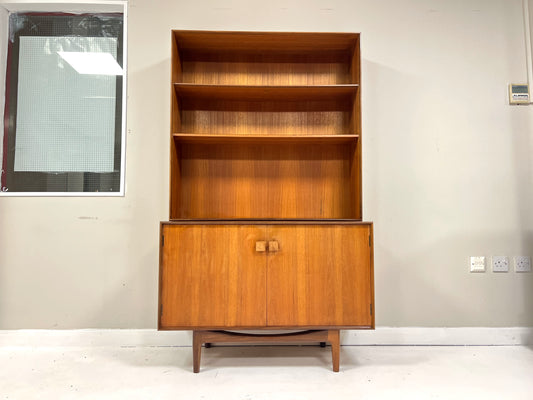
x=281, y=93
x=259, y=58
x=264, y=110
x=209, y=138
x=235, y=180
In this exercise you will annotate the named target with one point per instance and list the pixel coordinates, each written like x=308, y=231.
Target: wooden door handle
x=260, y=246
x=273, y=245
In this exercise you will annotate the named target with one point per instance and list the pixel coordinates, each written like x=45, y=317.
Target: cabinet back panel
x=212, y=116
x=257, y=69
x=266, y=181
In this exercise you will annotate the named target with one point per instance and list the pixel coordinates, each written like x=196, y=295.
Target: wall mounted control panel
x=518, y=94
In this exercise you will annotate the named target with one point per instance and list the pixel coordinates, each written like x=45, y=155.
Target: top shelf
x=297, y=42
x=259, y=58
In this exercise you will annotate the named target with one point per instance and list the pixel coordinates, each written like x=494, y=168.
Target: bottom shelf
x=293, y=181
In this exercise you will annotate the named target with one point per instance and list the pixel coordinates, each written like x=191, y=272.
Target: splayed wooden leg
x=196, y=350
x=334, y=339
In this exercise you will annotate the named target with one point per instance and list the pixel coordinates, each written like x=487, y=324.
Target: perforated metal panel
x=64, y=125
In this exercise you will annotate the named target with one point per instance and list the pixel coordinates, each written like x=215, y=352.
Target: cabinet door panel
x=320, y=276
x=212, y=276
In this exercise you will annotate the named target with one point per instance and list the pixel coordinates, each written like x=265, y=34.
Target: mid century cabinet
x=265, y=227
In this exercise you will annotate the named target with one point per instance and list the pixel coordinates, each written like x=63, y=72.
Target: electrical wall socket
x=522, y=264
x=477, y=264
x=500, y=264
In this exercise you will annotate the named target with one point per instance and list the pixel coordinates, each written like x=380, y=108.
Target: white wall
x=447, y=169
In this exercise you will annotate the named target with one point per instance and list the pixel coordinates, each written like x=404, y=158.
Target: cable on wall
x=527, y=33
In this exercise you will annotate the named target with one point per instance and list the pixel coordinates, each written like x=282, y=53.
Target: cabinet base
x=322, y=336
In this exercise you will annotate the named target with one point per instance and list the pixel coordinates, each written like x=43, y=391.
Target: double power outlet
x=501, y=264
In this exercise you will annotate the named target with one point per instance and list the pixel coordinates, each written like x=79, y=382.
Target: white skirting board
x=381, y=336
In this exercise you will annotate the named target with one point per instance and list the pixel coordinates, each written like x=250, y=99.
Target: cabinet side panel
x=175, y=126
x=356, y=128
x=320, y=276
x=372, y=298
x=356, y=181
x=175, y=61
x=175, y=179
x=211, y=276
x=356, y=61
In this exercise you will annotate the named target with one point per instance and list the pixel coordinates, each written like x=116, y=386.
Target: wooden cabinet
x=265, y=227
x=252, y=276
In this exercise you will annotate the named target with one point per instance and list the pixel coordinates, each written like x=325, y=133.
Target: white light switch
x=477, y=264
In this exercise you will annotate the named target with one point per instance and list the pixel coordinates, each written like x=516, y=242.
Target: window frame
x=72, y=7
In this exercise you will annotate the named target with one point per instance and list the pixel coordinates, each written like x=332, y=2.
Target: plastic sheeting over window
x=64, y=104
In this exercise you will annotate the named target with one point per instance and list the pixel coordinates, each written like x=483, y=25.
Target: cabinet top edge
x=266, y=222
x=269, y=33
x=266, y=41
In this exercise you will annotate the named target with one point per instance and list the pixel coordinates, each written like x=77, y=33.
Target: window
x=64, y=104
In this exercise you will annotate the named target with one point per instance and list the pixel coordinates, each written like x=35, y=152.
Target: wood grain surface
x=212, y=276
x=266, y=181
x=218, y=276
x=320, y=275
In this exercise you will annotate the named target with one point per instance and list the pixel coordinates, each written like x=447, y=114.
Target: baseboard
x=413, y=336
x=381, y=336
x=95, y=337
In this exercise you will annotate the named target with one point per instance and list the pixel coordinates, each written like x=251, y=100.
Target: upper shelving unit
x=265, y=125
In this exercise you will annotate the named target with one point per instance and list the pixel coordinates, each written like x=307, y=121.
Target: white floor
x=284, y=372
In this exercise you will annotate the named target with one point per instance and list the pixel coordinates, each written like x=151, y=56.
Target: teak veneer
x=265, y=229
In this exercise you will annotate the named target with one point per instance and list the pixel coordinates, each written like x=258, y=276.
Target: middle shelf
x=265, y=110
x=266, y=92
x=279, y=139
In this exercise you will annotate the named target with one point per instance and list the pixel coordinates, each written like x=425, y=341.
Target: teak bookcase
x=265, y=227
